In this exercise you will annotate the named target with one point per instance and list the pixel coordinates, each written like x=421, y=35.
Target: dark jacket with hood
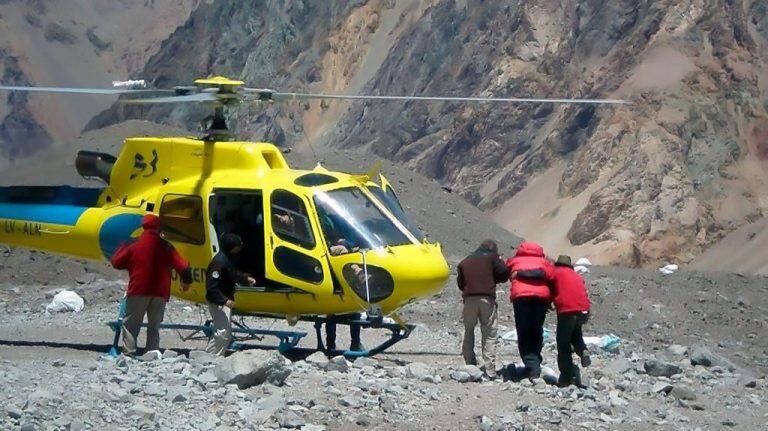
x=530, y=272
x=222, y=277
x=149, y=261
x=479, y=273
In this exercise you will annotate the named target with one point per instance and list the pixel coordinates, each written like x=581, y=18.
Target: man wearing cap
x=477, y=277
x=572, y=304
x=221, y=278
x=149, y=261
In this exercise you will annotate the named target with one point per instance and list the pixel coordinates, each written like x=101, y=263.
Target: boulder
x=252, y=367
x=142, y=412
x=683, y=393
x=338, y=363
x=661, y=387
x=289, y=419
x=467, y=373
x=365, y=361
x=318, y=358
x=701, y=355
x=618, y=366
x=201, y=357
x=419, y=371
x=658, y=368
x=677, y=350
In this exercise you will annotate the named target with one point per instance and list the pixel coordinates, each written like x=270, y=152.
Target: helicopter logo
x=139, y=165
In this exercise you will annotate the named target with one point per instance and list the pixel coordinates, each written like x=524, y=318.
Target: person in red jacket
x=572, y=305
x=149, y=261
x=530, y=273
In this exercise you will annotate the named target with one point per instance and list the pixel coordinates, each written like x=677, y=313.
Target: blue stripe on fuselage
x=42, y=213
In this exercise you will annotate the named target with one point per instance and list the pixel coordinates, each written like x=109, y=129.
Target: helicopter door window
x=181, y=218
x=289, y=219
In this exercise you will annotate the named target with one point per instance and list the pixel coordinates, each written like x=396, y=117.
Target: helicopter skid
x=288, y=340
x=240, y=332
x=398, y=332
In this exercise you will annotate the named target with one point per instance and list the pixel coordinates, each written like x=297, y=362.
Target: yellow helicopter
x=320, y=243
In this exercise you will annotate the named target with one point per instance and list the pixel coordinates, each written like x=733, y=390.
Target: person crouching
x=221, y=278
x=572, y=305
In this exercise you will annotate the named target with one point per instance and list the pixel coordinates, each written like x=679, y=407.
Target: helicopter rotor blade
x=96, y=91
x=190, y=98
x=271, y=95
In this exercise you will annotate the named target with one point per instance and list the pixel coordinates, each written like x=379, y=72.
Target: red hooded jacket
x=149, y=260
x=530, y=272
x=569, y=290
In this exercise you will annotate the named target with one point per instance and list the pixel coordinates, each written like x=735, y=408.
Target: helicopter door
x=295, y=256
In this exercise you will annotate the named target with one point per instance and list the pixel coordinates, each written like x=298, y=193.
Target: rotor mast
x=215, y=126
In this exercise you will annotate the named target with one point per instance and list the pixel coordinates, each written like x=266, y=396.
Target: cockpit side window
x=289, y=219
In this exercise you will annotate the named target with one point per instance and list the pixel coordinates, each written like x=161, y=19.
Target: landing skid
x=288, y=340
x=399, y=332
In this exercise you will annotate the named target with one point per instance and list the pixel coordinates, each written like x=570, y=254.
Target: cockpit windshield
x=389, y=199
x=351, y=221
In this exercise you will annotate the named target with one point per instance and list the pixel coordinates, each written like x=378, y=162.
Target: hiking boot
x=577, y=379
x=530, y=373
x=550, y=379
x=356, y=347
x=585, y=360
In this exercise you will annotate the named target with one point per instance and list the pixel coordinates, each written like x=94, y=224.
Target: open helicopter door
x=295, y=255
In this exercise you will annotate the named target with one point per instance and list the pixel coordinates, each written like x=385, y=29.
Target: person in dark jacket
x=572, y=305
x=530, y=274
x=149, y=261
x=477, y=277
x=221, y=278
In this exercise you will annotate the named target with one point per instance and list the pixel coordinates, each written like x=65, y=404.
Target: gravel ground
x=55, y=377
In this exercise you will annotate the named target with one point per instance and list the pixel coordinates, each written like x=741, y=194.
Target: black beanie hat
x=229, y=241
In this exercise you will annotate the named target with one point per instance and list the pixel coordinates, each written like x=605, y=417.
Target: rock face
x=657, y=180
x=252, y=367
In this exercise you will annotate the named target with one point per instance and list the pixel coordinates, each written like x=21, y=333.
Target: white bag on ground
x=668, y=269
x=66, y=300
x=581, y=269
x=583, y=261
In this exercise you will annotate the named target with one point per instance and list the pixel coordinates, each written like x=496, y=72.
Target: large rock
x=701, y=355
x=318, y=359
x=338, y=363
x=618, y=366
x=142, y=412
x=658, y=368
x=419, y=371
x=467, y=373
x=683, y=393
x=252, y=367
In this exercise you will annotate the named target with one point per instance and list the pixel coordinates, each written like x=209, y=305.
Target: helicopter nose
x=419, y=271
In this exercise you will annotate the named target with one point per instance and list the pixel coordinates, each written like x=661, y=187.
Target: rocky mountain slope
x=77, y=43
x=658, y=180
